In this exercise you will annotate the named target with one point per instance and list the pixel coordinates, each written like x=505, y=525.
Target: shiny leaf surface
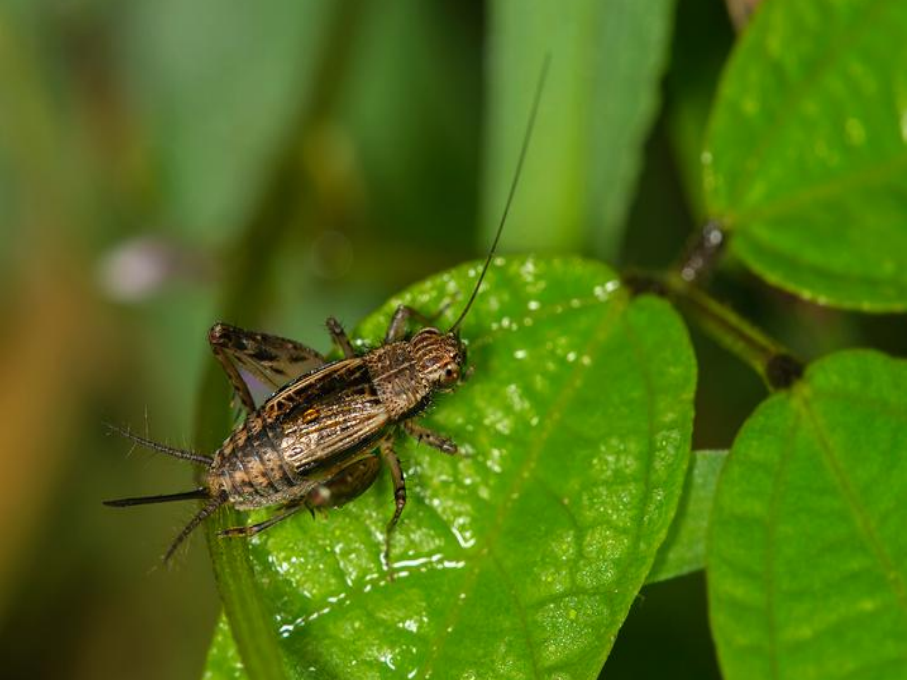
x=522, y=557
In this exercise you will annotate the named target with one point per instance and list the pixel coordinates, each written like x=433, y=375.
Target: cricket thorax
x=394, y=375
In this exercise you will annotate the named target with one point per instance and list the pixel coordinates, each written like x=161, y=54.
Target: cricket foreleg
x=400, y=497
x=430, y=437
x=250, y=530
x=339, y=336
x=397, y=329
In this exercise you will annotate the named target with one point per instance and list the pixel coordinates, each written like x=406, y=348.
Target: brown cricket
x=318, y=441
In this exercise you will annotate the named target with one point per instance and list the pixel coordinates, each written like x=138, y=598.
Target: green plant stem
x=245, y=286
x=772, y=361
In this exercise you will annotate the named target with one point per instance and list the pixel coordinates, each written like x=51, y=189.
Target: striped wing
x=329, y=416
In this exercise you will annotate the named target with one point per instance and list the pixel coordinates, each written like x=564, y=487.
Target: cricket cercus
x=319, y=440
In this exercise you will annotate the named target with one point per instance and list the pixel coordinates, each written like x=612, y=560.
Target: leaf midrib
x=862, y=520
x=869, y=175
x=554, y=416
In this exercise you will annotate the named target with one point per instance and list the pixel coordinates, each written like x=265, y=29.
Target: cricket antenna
x=507, y=206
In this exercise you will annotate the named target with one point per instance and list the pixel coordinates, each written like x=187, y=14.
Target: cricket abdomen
x=250, y=468
x=301, y=438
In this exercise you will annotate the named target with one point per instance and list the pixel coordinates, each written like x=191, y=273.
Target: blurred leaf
x=806, y=557
x=412, y=108
x=684, y=549
x=223, y=657
x=523, y=557
x=805, y=158
x=218, y=107
x=600, y=100
x=700, y=46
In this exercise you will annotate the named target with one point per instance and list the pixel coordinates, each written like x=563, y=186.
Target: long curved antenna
x=507, y=205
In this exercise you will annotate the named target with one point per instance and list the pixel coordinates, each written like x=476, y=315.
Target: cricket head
x=440, y=357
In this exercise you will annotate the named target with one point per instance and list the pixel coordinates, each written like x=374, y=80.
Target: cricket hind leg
x=348, y=484
x=251, y=530
x=213, y=505
x=250, y=357
x=355, y=479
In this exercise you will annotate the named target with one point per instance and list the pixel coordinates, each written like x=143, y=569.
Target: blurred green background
x=139, y=141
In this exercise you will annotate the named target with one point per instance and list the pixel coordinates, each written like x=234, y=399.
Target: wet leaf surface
x=521, y=558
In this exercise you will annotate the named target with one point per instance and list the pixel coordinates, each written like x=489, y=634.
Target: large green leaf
x=522, y=557
x=806, y=558
x=601, y=97
x=684, y=550
x=805, y=158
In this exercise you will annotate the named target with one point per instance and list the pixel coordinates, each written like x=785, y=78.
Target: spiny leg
x=339, y=336
x=430, y=437
x=400, y=497
x=397, y=329
x=207, y=510
x=250, y=530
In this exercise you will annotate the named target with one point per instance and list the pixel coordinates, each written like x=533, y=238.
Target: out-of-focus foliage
x=608, y=61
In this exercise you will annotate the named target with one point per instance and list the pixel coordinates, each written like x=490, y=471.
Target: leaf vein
x=553, y=418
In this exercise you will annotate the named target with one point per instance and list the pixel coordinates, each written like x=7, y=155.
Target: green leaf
x=523, y=557
x=684, y=549
x=805, y=159
x=600, y=100
x=806, y=559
